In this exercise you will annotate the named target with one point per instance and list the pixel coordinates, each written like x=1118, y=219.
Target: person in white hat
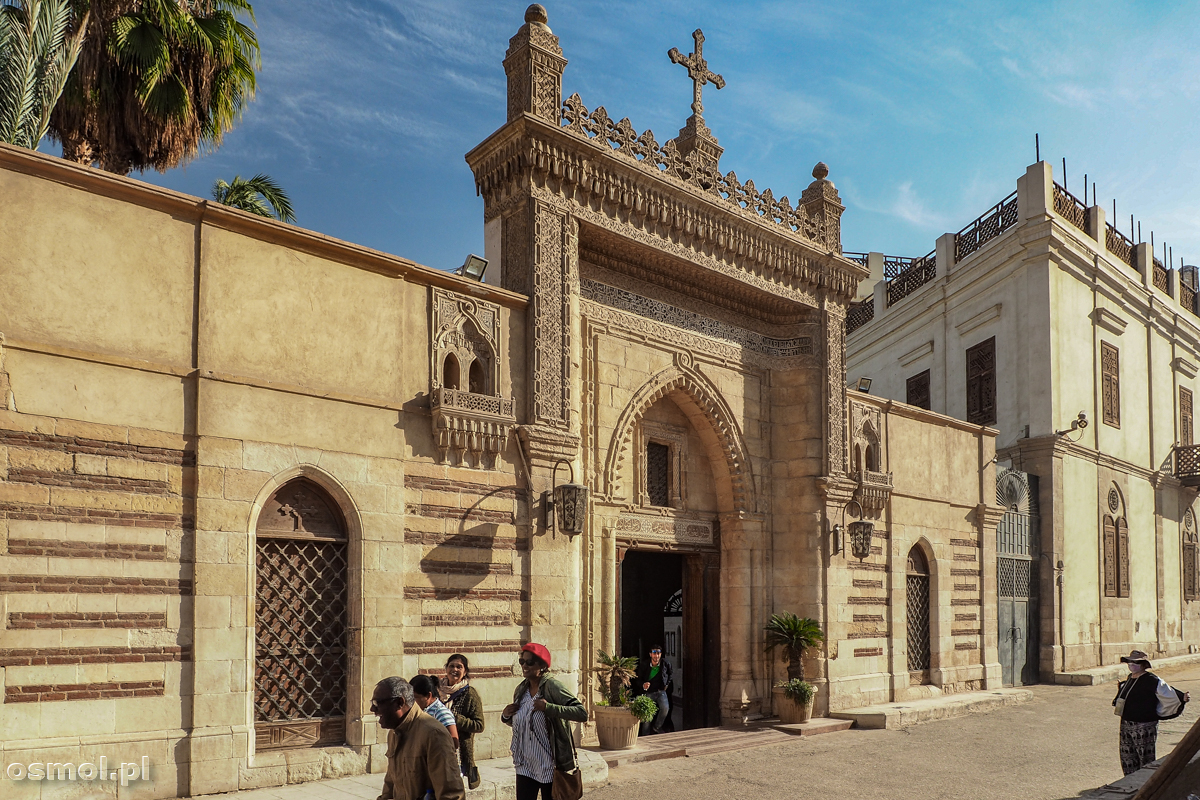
x=1141, y=702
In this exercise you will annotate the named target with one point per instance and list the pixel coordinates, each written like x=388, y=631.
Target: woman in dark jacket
x=467, y=707
x=540, y=714
x=1144, y=699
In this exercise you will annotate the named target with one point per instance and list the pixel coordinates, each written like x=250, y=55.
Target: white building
x=1036, y=313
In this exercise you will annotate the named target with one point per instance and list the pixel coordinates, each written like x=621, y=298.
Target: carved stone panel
x=555, y=252
x=668, y=529
x=835, y=354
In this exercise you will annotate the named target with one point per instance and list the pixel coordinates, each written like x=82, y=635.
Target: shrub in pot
x=616, y=724
x=802, y=695
x=794, y=635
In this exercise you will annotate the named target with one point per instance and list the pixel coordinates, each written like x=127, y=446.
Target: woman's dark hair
x=425, y=685
x=466, y=664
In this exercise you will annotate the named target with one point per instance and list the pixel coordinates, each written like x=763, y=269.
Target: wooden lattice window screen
x=1122, y=557
x=1185, y=416
x=1110, y=557
x=300, y=626
x=981, y=383
x=1191, y=585
x=917, y=391
x=658, y=473
x=917, y=607
x=1110, y=375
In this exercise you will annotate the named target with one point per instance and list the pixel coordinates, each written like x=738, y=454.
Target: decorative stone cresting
x=710, y=403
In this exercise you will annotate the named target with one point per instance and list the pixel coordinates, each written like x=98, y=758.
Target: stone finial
x=821, y=200
x=534, y=65
x=820, y=171
x=536, y=13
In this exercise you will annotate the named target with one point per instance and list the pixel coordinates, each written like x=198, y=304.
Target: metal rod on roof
x=1085, y=190
x=1094, y=196
x=1037, y=148
x=1064, y=172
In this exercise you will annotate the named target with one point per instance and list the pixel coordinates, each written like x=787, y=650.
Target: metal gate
x=300, y=621
x=917, y=584
x=1017, y=584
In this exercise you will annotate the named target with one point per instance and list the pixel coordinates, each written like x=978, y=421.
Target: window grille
x=981, y=383
x=1185, y=416
x=1111, y=384
x=658, y=473
x=917, y=584
x=917, y=391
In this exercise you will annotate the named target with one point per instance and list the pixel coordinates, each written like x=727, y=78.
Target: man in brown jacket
x=420, y=752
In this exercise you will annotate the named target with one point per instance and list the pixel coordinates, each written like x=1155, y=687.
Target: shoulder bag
x=1119, y=703
x=566, y=785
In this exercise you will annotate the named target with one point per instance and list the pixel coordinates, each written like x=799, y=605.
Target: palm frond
x=36, y=54
x=259, y=195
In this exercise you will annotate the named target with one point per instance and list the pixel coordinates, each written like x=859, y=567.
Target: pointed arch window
x=450, y=371
x=918, y=602
x=1190, y=556
x=1116, y=547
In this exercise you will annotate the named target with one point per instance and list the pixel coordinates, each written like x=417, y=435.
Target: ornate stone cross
x=698, y=71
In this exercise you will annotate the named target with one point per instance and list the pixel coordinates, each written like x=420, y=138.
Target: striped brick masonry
x=46, y=693
x=74, y=584
x=55, y=656
x=96, y=447
x=868, y=651
x=478, y=673
x=463, y=514
x=43, y=477
x=63, y=549
x=421, y=483
x=25, y=620
x=465, y=540
x=450, y=593
x=490, y=620
x=448, y=647
x=434, y=567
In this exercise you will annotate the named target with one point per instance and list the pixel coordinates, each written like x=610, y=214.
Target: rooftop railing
x=986, y=227
x=907, y=281
x=1118, y=244
x=1072, y=209
x=860, y=314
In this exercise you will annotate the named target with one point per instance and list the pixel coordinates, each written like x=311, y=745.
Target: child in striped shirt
x=425, y=693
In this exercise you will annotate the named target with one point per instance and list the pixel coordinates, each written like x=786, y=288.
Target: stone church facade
x=246, y=470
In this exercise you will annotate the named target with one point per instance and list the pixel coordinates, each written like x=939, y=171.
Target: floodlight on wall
x=863, y=385
x=1077, y=424
x=473, y=267
x=566, y=503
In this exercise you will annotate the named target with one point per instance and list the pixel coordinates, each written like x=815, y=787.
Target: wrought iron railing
x=1072, y=209
x=988, y=226
x=1187, y=464
x=858, y=258
x=1161, y=280
x=1187, y=297
x=1118, y=244
x=921, y=272
x=894, y=265
x=859, y=314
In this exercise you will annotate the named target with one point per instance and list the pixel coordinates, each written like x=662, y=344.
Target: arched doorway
x=300, y=619
x=917, y=580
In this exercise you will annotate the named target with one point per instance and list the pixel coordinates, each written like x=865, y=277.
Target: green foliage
x=795, y=635
x=643, y=707
x=37, y=53
x=157, y=81
x=615, y=673
x=797, y=689
x=260, y=195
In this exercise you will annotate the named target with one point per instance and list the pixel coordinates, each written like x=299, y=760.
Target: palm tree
x=615, y=673
x=260, y=195
x=36, y=56
x=157, y=81
x=795, y=635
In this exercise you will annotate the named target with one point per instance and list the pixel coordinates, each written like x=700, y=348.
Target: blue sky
x=925, y=112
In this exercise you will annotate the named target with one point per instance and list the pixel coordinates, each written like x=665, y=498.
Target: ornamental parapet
x=470, y=429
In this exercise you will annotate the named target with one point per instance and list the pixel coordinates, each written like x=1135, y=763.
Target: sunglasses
x=656, y=652
x=526, y=662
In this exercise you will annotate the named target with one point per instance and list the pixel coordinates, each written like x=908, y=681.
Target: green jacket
x=562, y=707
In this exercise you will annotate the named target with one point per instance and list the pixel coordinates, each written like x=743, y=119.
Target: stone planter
x=616, y=727
x=790, y=712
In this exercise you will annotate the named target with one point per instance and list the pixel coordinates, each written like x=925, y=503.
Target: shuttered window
x=917, y=393
x=1185, y=416
x=1191, y=591
x=1110, y=376
x=1122, y=557
x=1110, y=557
x=981, y=383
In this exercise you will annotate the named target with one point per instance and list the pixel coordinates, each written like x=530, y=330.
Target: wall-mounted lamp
x=473, y=267
x=569, y=500
x=1077, y=424
x=863, y=385
x=861, y=533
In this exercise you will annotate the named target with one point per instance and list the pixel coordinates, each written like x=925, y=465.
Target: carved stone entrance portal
x=300, y=625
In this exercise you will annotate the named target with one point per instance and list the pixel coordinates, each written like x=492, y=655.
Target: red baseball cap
x=538, y=650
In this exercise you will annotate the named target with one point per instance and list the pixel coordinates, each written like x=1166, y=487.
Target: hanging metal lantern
x=571, y=501
x=861, y=532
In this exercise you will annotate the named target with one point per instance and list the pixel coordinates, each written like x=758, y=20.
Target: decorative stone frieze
x=471, y=420
x=668, y=528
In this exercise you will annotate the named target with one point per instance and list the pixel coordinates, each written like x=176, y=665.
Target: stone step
x=815, y=727
x=1118, y=671
x=899, y=715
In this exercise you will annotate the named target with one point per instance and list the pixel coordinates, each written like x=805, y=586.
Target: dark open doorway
x=671, y=600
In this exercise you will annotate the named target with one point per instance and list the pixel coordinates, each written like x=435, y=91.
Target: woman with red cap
x=539, y=715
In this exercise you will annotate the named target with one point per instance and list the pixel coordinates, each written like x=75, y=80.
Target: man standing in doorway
x=420, y=752
x=654, y=679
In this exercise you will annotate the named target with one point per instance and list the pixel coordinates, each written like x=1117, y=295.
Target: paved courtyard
x=1060, y=744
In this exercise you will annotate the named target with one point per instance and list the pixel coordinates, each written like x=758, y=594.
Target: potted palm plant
x=794, y=635
x=617, y=718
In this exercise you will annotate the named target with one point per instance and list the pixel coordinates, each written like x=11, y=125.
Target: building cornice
x=530, y=152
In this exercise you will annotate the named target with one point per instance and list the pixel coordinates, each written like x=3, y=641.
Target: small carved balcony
x=874, y=489
x=1187, y=464
x=470, y=429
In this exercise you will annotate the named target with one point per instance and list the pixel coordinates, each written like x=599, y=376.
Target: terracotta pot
x=616, y=727
x=791, y=712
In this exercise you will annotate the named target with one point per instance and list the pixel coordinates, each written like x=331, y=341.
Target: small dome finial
x=821, y=171
x=536, y=13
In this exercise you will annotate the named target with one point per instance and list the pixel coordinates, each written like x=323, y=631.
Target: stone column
x=741, y=634
x=534, y=65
